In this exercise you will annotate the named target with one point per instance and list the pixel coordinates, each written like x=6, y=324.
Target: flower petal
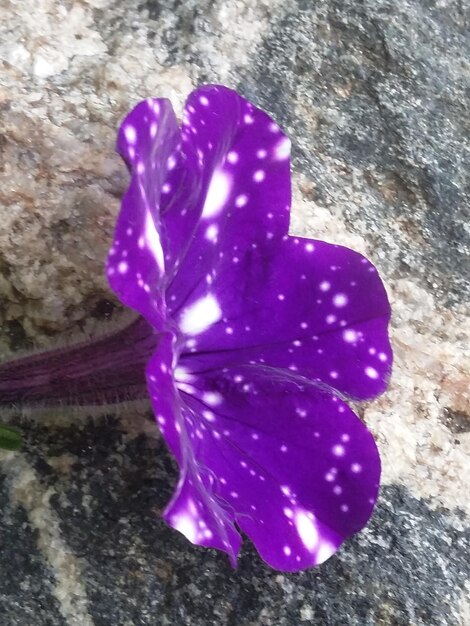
x=197, y=184
x=136, y=266
x=247, y=315
x=245, y=286
x=193, y=510
x=222, y=187
x=289, y=463
x=317, y=309
x=184, y=178
x=244, y=160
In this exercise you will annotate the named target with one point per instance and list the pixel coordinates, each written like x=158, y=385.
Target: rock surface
x=374, y=95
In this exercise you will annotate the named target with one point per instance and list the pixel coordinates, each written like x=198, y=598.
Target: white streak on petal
x=307, y=530
x=217, y=194
x=185, y=388
x=182, y=375
x=153, y=241
x=200, y=315
x=324, y=552
x=186, y=525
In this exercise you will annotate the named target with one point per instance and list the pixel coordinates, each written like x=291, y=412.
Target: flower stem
x=106, y=370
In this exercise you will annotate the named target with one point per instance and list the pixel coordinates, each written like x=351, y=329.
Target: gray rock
x=26, y=580
x=377, y=95
x=408, y=567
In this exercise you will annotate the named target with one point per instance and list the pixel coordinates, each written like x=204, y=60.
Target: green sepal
x=10, y=439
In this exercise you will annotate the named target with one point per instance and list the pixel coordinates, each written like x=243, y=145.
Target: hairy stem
x=107, y=370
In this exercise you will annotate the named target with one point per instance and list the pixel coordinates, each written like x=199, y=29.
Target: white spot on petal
x=371, y=372
x=338, y=450
x=340, y=300
x=212, y=232
x=349, y=335
x=209, y=416
x=130, y=134
x=282, y=149
x=241, y=201
x=212, y=398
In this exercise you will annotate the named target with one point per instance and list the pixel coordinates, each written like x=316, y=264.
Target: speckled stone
x=374, y=95
x=26, y=579
x=106, y=488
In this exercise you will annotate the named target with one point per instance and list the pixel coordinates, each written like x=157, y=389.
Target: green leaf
x=10, y=439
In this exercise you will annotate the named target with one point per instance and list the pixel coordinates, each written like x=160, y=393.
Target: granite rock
x=106, y=486
x=374, y=95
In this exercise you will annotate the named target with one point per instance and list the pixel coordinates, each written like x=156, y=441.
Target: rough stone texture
x=375, y=97
x=107, y=486
x=27, y=581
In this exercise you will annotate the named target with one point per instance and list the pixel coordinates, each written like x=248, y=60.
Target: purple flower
x=260, y=335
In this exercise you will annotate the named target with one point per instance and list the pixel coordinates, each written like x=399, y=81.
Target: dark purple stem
x=107, y=370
